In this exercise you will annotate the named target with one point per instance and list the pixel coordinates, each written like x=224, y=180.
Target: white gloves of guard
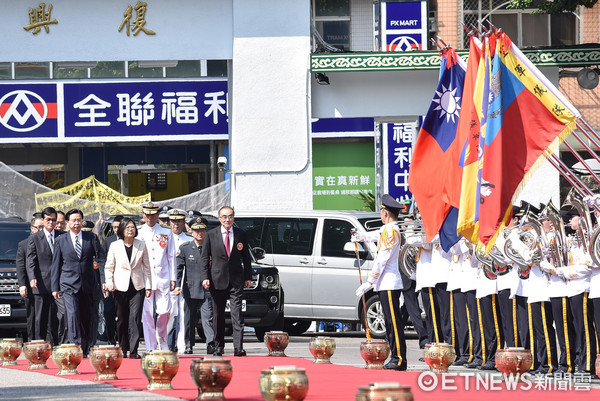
x=363, y=289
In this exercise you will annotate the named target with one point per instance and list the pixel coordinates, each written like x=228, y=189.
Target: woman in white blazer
x=127, y=273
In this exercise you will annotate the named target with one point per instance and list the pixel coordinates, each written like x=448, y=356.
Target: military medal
x=240, y=246
x=162, y=243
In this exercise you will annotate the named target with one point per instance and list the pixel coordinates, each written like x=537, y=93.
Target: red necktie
x=227, y=244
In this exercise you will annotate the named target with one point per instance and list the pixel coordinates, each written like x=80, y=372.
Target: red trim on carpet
x=326, y=382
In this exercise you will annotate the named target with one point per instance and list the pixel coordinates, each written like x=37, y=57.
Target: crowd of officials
x=156, y=278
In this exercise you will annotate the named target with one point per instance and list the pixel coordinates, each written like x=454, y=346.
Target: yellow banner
x=91, y=196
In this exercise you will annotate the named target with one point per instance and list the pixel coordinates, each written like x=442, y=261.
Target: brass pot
x=374, y=352
x=439, y=356
x=384, y=392
x=67, y=357
x=37, y=353
x=106, y=359
x=10, y=349
x=322, y=348
x=211, y=375
x=513, y=360
x=283, y=383
x=277, y=342
x=160, y=367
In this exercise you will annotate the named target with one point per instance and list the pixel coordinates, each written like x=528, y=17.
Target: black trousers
x=544, y=349
x=445, y=317
x=191, y=306
x=219, y=299
x=565, y=333
x=30, y=313
x=129, y=306
x=596, y=308
x=432, y=311
x=79, y=317
x=394, y=325
x=523, y=321
x=46, y=318
x=475, y=350
x=414, y=311
x=490, y=326
x=585, y=340
x=110, y=318
x=463, y=339
x=508, y=316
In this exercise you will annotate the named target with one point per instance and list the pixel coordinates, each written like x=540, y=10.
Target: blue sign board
x=398, y=148
x=113, y=111
x=404, y=25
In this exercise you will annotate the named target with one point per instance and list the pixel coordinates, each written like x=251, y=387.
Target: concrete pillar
x=270, y=144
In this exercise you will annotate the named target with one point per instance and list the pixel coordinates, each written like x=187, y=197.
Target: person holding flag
x=385, y=279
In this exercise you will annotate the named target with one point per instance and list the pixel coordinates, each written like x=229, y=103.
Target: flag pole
x=367, y=329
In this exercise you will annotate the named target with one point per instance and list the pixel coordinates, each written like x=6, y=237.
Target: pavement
x=18, y=385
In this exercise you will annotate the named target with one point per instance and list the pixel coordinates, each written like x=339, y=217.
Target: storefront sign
x=397, y=150
x=113, y=111
x=404, y=25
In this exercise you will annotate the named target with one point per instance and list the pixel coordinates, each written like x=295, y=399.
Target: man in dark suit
x=22, y=278
x=189, y=282
x=73, y=274
x=40, y=249
x=226, y=271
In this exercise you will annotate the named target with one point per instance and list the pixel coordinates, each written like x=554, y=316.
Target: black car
x=13, y=316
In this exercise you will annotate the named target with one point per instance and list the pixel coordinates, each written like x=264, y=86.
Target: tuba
x=529, y=238
x=558, y=252
x=407, y=260
x=489, y=270
x=584, y=232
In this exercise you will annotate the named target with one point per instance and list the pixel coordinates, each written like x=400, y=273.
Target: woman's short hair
x=123, y=224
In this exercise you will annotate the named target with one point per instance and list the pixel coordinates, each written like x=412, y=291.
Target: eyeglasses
x=227, y=217
x=49, y=219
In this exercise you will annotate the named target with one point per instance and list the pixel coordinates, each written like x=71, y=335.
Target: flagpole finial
x=436, y=44
x=476, y=30
x=470, y=32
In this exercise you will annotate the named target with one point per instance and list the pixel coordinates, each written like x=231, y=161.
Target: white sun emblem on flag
x=448, y=103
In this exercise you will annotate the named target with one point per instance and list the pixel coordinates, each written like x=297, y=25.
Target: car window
x=335, y=234
x=9, y=242
x=289, y=236
x=253, y=227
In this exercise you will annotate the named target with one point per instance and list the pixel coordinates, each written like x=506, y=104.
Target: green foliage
x=368, y=198
x=552, y=7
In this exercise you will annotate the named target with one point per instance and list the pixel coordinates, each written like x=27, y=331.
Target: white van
x=319, y=279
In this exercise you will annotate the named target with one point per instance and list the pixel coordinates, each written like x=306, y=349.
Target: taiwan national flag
x=526, y=117
x=432, y=160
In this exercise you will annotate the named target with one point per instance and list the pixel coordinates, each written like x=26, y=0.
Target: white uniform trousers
x=177, y=318
x=155, y=335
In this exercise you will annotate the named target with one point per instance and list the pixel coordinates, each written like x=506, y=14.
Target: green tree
x=552, y=7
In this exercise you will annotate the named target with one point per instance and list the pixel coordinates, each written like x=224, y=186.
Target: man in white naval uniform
x=161, y=249
x=175, y=326
x=385, y=279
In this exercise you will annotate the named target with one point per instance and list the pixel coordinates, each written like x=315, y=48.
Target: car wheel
x=296, y=327
x=375, y=319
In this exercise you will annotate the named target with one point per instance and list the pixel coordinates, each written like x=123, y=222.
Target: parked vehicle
x=318, y=276
x=13, y=315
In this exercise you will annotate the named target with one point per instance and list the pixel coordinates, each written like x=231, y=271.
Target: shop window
x=5, y=71
x=332, y=20
x=32, y=70
x=156, y=181
x=140, y=72
x=184, y=68
x=108, y=69
x=216, y=68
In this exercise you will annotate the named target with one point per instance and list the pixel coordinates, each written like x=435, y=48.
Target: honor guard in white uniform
x=541, y=329
x=426, y=282
x=163, y=216
x=460, y=322
x=161, y=249
x=175, y=326
x=594, y=295
x=385, y=279
x=578, y=274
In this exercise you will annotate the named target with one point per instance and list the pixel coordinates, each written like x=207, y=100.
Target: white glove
x=546, y=266
x=363, y=289
x=356, y=237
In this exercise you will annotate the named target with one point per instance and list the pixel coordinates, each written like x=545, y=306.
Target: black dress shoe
x=188, y=351
x=135, y=355
x=210, y=349
x=218, y=352
x=487, y=366
x=239, y=352
x=459, y=362
x=473, y=365
x=394, y=366
x=173, y=348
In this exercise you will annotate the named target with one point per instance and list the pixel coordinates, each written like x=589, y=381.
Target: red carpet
x=328, y=382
